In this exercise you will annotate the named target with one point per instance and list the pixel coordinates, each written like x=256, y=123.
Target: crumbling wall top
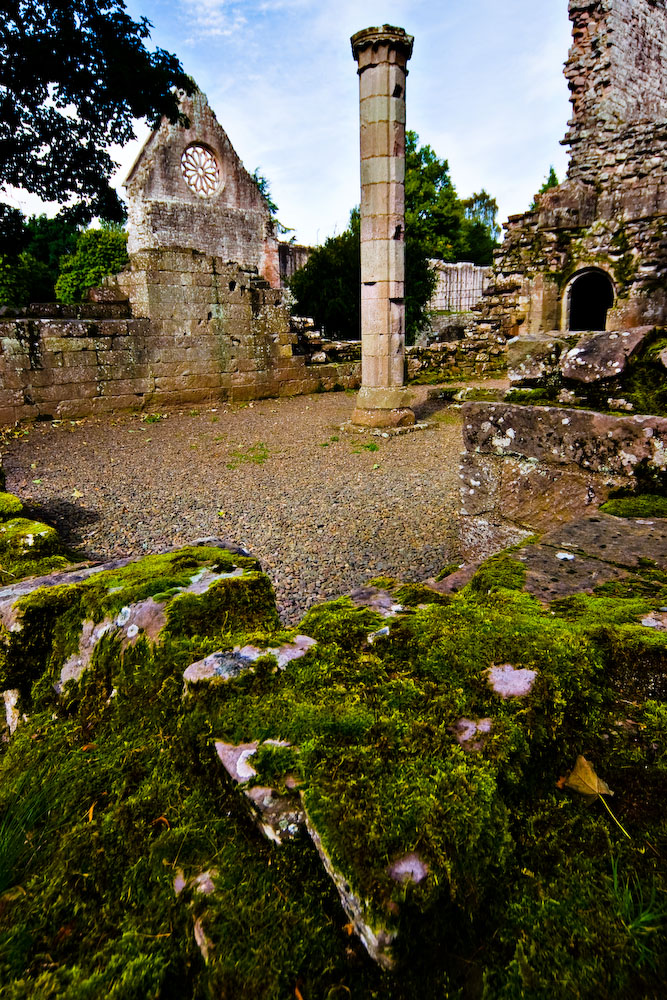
x=617, y=65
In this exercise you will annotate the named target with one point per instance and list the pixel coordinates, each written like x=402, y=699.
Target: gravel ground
x=323, y=509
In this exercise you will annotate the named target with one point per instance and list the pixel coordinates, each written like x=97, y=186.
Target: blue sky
x=485, y=90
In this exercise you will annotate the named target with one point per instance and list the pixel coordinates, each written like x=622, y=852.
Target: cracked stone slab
x=620, y=540
x=548, y=577
x=602, y=355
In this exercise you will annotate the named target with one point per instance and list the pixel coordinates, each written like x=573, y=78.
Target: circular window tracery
x=200, y=170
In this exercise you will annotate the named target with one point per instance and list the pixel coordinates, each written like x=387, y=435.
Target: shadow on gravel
x=68, y=518
x=430, y=407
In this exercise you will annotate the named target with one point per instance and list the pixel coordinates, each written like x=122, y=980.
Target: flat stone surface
x=619, y=540
x=511, y=682
x=548, y=577
x=602, y=355
x=593, y=441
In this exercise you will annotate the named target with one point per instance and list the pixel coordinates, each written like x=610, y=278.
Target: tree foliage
x=74, y=74
x=437, y=225
x=99, y=252
x=550, y=181
x=328, y=287
x=30, y=255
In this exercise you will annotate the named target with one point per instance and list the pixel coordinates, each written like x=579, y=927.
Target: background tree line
x=438, y=225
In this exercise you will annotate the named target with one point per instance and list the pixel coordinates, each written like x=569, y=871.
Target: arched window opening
x=591, y=296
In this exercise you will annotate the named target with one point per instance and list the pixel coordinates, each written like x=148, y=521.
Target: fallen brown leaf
x=584, y=780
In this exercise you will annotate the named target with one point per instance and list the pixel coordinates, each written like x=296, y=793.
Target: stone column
x=382, y=55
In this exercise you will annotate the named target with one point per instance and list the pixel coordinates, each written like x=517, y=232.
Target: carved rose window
x=200, y=170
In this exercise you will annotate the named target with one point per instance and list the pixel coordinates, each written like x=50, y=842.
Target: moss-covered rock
x=10, y=506
x=439, y=800
x=22, y=537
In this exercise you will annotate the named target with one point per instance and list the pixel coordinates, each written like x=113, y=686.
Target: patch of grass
x=255, y=454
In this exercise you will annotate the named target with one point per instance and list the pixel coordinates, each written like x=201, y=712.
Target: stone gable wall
x=233, y=222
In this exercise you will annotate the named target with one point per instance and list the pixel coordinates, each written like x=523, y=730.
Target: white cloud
x=213, y=18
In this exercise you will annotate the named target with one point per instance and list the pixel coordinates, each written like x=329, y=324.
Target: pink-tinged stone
x=376, y=600
x=235, y=760
x=511, y=682
x=204, y=943
x=656, y=620
x=12, y=715
x=201, y=883
x=222, y=665
x=410, y=868
x=78, y=662
x=466, y=732
x=229, y=664
x=602, y=355
x=283, y=654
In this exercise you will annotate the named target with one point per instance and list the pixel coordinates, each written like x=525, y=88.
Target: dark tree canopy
x=328, y=287
x=73, y=76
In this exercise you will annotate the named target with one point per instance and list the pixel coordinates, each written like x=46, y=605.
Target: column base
x=383, y=407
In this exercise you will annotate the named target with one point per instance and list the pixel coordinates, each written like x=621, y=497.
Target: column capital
x=387, y=35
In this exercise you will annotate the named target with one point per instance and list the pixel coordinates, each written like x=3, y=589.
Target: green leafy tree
x=328, y=287
x=30, y=253
x=74, y=76
x=99, y=252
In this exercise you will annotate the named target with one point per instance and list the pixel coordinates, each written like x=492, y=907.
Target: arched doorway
x=591, y=295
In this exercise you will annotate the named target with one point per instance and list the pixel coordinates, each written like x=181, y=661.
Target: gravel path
x=324, y=510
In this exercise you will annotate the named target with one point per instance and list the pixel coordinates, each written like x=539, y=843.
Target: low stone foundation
x=181, y=328
x=537, y=466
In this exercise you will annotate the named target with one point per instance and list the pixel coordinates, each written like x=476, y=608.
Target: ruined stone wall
x=611, y=212
x=188, y=188
x=616, y=69
x=292, y=257
x=200, y=331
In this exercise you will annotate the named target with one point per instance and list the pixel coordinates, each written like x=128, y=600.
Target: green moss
x=10, y=506
x=643, y=505
x=22, y=537
x=412, y=594
x=520, y=897
x=499, y=571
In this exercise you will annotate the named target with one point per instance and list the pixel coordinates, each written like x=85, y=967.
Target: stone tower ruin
x=592, y=253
